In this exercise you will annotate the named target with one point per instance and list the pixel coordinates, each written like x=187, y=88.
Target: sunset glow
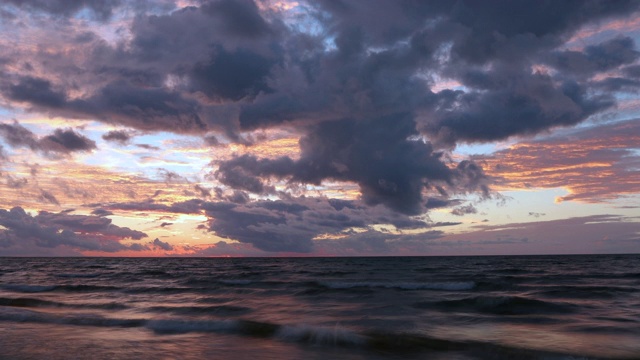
x=312, y=128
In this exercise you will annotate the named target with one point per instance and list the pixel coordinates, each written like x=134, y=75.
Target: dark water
x=540, y=307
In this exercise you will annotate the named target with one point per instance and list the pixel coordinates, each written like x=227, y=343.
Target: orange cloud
x=594, y=165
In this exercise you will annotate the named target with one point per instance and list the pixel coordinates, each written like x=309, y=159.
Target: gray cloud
x=53, y=230
x=290, y=225
x=286, y=225
x=62, y=141
x=119, y=136
x=186, y=207
x=101, y=9
x=101, y=212
x=608, y=55
x=360, y=91
x=162, y=245
x=48, y=197
x=377, y=154
x=66, y=141
x=464, y=210
x=35, y=91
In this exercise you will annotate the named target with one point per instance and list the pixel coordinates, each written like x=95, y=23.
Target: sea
x=491, y=307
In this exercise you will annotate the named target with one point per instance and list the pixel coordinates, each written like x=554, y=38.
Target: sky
x=319, y=128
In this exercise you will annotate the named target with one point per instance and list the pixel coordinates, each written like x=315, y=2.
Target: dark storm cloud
x=617, y=84
x=35, y=91
x=512, y=104
x=238, y=17
x=376, y=154
x=141, y=107
x=62, y=141
x=50, y=230
x=289, y=225
x=363, y=92
x=597, y=58
x=232, y=76
x=632, y=71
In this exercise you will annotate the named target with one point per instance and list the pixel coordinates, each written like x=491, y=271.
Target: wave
x=449, y=285
x=27, y=288
x=221, y=310
x=586, y=292
x=378, y=341
x=31, y=302
x=235, y=282
x=501, y=305
x=93, y=275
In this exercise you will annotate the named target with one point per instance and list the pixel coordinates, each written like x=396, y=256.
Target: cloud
x=16, y=182
x=358, y=84
x=288, y=225
x=204, y=192
x=35, y=91
x=576, y=235
x=464, y=210
x=536, y=214
x=17, y=135
x=48, y=197
x=608, y=55
x=186, y=207
x=66, y=141
x=62, y=141
x=378, y=155
x=292, y=224
x=595, y=164
x=29, y=234
x=162, y=245
x=119, y=136
x=101, y=212
x=100, y=9
x=232, y=76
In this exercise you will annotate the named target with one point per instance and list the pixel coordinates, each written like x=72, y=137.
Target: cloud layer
x=22, y=233
x=375, y=95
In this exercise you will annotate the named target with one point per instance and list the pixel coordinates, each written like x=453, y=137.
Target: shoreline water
x=508, y=307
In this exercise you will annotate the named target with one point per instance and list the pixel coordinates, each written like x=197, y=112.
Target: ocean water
x=509, y=307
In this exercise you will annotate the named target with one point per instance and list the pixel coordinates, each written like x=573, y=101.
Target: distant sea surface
x=507, y=307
